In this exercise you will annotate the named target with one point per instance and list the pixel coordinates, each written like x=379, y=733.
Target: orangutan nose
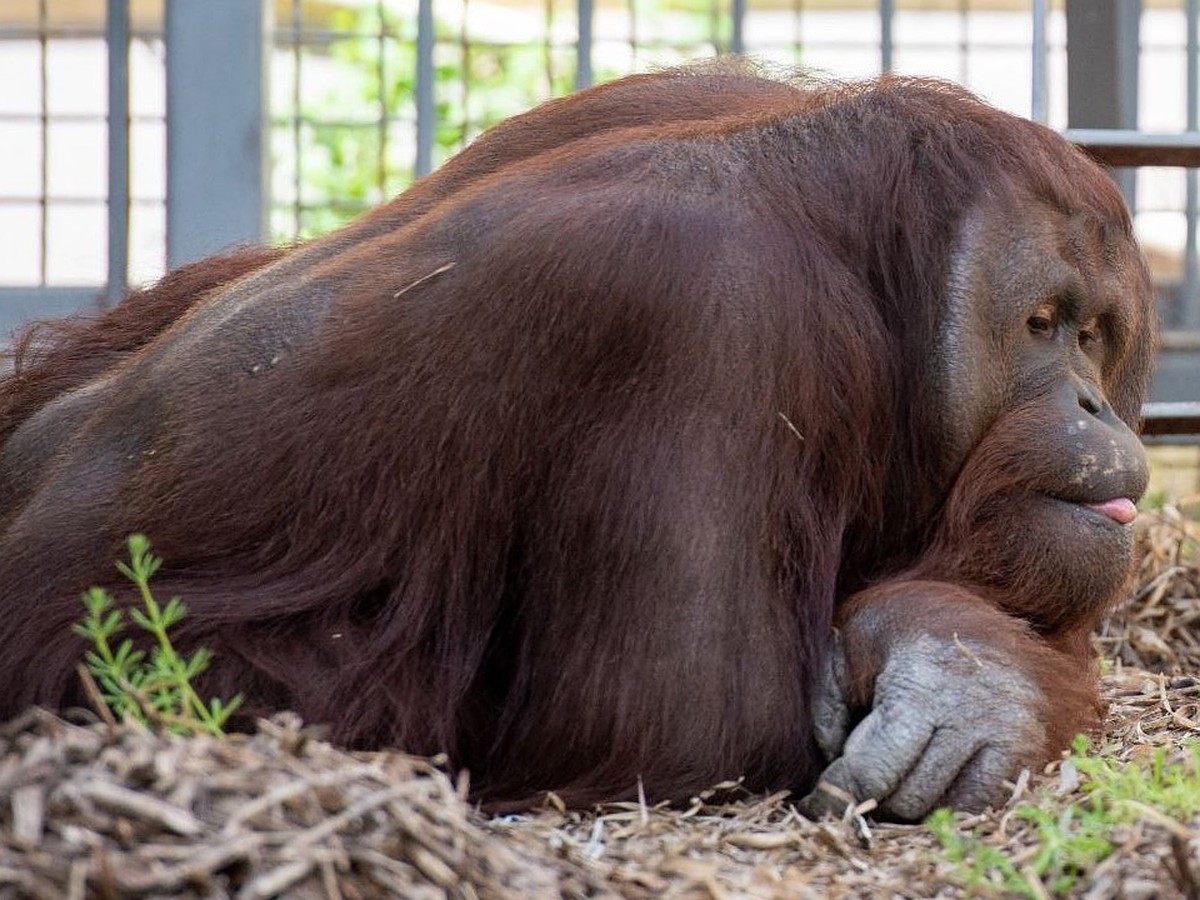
x=1090, y=399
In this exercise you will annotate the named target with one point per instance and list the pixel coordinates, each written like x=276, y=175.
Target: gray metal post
x=1190, y=305
x=426, y=111
x=1037, y=103
x=44, y=139
x=583, y=45
x=737, y=43
x=116, y=33
x=1102, y=69
x=887, y=9
x=215, y=127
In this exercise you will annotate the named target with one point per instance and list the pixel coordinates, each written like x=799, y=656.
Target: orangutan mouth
x=1120, y=509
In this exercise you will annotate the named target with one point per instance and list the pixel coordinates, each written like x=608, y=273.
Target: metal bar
x=1102, y=70
x=1126, y=147
x=1190, y=306
x=1177, y=369
x=381, y=106
x=297, y=147
x=633, y=34
x=19, y=305
x=44, y=138
x=464, y=49
x=737, y=43
x=424, y=88
x=1170, y=418
x=1179, y=339
x=216, y=164
x=1133, y=138
x=1037, y=105
x=964, y=41
x=798, y=36
x=548, y=45
x=887, y=9
x=117, y=39
x=583, y=45
x=36, y=32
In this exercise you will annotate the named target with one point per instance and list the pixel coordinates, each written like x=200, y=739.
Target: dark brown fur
x=509, y=468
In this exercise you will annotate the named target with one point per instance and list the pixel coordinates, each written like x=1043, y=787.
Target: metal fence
x=39, y=199
x=439, y=56
x=362, y=97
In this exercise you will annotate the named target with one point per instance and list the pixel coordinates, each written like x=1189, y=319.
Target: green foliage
x=1070, y=836
x=350, y=160
x=154, y=687
x=977, y=866
x=1153, y=500
x=354, y=145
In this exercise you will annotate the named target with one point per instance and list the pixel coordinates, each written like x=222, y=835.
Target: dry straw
x=112, y=812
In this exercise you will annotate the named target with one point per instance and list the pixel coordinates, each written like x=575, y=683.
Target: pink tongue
x=1119, y=509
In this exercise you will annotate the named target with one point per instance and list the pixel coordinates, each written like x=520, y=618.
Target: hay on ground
x=96, y=811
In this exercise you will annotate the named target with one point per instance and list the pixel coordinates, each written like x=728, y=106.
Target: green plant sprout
x=1070, y=837
x=152, y=688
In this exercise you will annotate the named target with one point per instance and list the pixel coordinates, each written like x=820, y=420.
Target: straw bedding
x=93, y=810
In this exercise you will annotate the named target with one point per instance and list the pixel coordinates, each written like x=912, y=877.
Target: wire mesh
x=67, y=191
x=379, y=94
x=367, y=95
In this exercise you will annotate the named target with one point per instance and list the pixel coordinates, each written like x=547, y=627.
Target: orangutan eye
x=1044, y=321
x=1041, y=325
